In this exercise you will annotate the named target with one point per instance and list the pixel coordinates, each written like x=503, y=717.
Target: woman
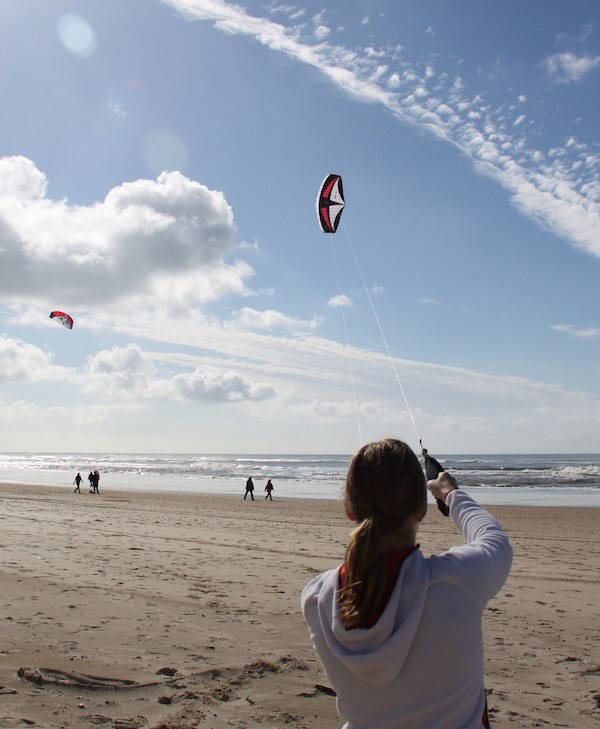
x=400, y=634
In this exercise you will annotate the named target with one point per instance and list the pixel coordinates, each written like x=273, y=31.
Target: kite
x=64, y=319
x=330, y=203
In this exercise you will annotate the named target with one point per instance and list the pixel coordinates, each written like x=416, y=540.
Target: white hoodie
x=421, y=665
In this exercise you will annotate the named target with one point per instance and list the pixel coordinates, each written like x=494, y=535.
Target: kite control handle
x=433, y=468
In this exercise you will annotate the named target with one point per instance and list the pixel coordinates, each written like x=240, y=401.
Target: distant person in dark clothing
x=249, y=489
x=77, y=483
x=91, y=480
x=268, y=488
x=96, y=481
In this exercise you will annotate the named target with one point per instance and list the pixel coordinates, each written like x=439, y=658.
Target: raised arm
x=482, y=565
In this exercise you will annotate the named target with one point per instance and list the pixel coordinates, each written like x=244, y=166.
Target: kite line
x=330, y=204
x=346, y=346
x=383, y=337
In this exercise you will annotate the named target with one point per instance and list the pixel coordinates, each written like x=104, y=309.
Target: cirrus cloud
x=584, y=332
x=271, y=319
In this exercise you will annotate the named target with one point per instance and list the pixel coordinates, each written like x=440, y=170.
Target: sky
x=159, y=165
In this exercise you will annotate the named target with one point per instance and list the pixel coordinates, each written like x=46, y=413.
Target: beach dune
x=166, y=610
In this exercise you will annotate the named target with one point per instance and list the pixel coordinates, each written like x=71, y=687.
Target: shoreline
x=514, y=496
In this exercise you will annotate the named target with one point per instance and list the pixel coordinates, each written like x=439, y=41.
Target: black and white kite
x=330, y=203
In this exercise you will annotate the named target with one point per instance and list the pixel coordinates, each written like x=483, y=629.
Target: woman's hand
x=441, y=486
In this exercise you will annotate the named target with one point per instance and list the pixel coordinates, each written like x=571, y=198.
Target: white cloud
x=121, y=371
x=583, y=332
x=163, y=238
x=319, y=362
x=292, y=11
x=21, y=361
x=323, y=411
x=428, y=301
x=340, y=300
x=249, y=246
x=394, y=81
x=116, y=109
x=366, y=20
x=567, y=67
x=211, y=385
x=519, y=120
x=130, y=373
x=271, y=319
x=521, y=98
x=321, y=32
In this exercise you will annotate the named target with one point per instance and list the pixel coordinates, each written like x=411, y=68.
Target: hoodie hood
x=376, y=654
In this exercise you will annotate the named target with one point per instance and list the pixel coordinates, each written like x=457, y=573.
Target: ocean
x=551, y=479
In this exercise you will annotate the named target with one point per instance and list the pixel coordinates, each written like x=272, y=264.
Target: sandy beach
x=179, y=611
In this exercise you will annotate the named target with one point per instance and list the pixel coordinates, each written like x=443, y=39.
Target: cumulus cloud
x=340, y=300
x=120, y=371
x=129, y=373
x=567, y=67
x=212, y=385
x=21, y=361
x=161, y=238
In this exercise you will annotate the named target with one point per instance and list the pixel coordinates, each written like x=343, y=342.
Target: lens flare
x=164, y=151
x=76, y=35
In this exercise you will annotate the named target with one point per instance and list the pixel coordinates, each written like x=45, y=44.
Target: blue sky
x=159, y=163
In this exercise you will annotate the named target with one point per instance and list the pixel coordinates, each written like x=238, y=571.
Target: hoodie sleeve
x=482, y=565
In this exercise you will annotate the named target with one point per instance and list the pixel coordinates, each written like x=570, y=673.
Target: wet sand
x=166, y=610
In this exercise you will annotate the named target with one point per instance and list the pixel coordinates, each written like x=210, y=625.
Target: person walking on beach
x=399, y=634
x=268, y=488
x=96, y=482
x=77, y=483
x=249, y=488
x=91, y=480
